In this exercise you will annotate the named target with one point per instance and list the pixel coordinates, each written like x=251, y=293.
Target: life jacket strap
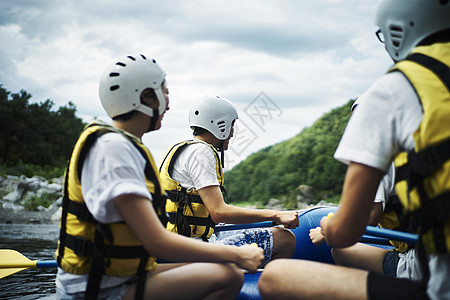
x=174, y=219
x=142, y=278
x=80, y=210
x=182, y=197
x=183, y=222
x=430, y=158
x=97, y=270
x=440, y=69
x=85, y=247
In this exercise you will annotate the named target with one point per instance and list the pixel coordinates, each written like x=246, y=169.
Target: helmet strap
x=222, y=154
x=154, y=112
x=147, y=110
x=153, y=120
x=162, y=100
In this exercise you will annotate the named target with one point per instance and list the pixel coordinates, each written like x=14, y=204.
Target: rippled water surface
x=35, y=241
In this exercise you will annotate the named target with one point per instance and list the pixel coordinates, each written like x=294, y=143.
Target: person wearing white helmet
x=193, y=176
x=113, y=217
x=411, y=107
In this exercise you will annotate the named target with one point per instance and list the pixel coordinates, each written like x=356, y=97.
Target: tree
x=12, y=117
x=33, y=133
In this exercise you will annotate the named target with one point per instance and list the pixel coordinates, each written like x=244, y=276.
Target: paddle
x=12, y=261
x=244, y=226
x=409, y=238
x=227, y=227
x=374, y=235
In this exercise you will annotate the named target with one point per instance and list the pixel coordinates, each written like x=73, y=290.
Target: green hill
x=306, y=159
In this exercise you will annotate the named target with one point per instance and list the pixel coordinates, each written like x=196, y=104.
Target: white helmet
x=405, y=23
x=123, y=81
x=215, y=114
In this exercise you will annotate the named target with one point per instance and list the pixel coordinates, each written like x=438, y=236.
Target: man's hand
x=316, y=236
x=287, y=218
x=250, y=257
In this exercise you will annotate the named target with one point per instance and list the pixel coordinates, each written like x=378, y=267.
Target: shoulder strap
x=168, y=153
x=440, y=69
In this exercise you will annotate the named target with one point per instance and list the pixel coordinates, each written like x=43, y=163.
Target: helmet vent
x=397, y=34
x=221, y=125
x=114, y=74
x=132, y=58
x=143, y=56
x=121, y=64
x=114, y=87
x=196, y=112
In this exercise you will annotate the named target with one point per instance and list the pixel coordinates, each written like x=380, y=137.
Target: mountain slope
x=307, y=158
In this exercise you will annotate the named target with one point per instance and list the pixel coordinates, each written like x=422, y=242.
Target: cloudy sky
x=282, y=63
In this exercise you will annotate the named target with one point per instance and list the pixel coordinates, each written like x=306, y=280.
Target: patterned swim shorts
x=263, y=237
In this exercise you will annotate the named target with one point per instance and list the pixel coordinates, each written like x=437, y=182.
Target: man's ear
x=148, y=97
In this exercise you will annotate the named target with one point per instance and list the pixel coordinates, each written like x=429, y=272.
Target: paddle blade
x=12, y=261
x=10, y=271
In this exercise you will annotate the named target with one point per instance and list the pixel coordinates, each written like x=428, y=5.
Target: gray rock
x=18, y=190
x=12, y=206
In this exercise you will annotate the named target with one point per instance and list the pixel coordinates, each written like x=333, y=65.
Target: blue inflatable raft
x=305, y=249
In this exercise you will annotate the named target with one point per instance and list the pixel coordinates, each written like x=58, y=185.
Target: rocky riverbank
x=16, y=194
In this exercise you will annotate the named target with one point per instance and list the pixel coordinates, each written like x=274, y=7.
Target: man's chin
x=157, y=127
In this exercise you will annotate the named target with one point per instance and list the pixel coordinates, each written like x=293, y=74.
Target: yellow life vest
x=423, y=174
x=186, y=211
x=88, y=246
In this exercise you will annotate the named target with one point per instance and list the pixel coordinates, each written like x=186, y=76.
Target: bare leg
x=192, y=281
x=360, y=256
x=301, y=279
x=284, y=243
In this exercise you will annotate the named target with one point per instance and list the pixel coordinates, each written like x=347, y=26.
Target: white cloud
x=306, y=56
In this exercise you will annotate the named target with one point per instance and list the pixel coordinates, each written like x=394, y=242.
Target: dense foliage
x=277, y=171
x=32, y=134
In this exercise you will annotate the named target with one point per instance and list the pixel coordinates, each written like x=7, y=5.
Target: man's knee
x=284, y=242
x=268, y=282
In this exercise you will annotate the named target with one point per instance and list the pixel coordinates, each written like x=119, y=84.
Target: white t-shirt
x=386, y=187
x=195, y=166
x=112, y=167
x=383, y=125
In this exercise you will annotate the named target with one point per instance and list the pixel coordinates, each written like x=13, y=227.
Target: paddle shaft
x=409, y=238
x=244, y=226
x=51, y=263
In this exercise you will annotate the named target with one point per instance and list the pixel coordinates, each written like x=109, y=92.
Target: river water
x=35, y=241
